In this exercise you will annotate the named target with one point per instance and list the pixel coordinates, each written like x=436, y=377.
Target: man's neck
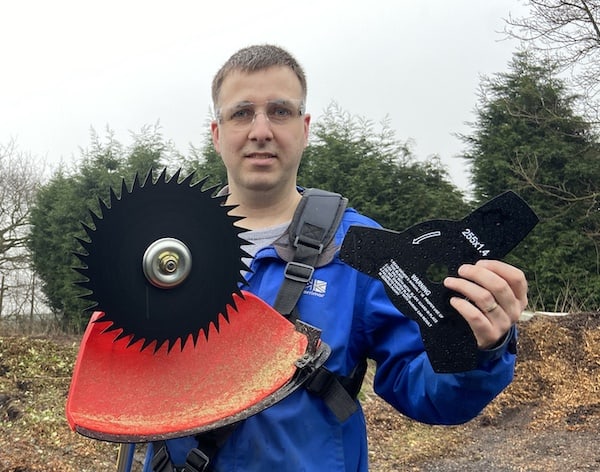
x=261, y=210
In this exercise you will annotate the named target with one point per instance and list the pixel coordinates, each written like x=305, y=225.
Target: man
x=260, y=131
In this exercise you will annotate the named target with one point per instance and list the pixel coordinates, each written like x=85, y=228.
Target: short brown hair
x=255, y=58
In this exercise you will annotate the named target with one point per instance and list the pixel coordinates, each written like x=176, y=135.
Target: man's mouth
x=260, y=155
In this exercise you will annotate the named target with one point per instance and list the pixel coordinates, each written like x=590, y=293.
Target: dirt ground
x=547, y=420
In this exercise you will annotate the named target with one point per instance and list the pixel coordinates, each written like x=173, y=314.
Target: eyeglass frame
x=299, y=111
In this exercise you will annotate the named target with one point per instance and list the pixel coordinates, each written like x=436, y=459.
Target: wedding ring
x=492, y=307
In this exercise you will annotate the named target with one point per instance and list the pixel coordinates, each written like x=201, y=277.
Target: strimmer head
x=163, y=265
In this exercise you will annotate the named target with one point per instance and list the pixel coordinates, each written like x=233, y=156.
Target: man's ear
x=306, y=122
x=214, y=131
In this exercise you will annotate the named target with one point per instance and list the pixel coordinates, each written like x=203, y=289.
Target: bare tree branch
x=20, y=177
x=567, y=31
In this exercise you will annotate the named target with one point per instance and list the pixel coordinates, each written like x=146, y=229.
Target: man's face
x=262, y=151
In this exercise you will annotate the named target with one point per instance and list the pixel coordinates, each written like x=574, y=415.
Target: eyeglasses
x=278, y=112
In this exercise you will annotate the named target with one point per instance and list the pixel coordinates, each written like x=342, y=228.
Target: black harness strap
x=338, y=392
x=313, y=227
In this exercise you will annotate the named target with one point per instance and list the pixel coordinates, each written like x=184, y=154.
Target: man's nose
x=260, y=129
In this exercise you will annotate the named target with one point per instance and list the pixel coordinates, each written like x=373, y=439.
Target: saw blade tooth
x=136, y=181
x=242, y=281
x=149, y=178
x=146, y=342
x=96, y=219
x=225, y=314
x=124, y=189
x=245, y=253
x=172, y=342
x=121, y=335
x=88, y=230
x=195, y=335
x=158, y=345
x=213, y=191
x=110, y=328
x=82, y=258
x=235, y=219
x=206, y=331
x=113, y=198
x=239, y=233
x=162, y=177
x=233, y=305
x=175, y=177
x=227, y=208
x=81, y=271
x=104, y=207
x=219, y=319
x=90, y=308
x=133, y=340
x=86, y=245
x=87, y=296
x=188, y=179
x=201, y=182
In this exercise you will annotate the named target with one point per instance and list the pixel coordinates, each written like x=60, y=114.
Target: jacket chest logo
x=316, y=288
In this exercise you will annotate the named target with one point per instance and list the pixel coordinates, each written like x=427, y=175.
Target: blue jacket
x=357, y=320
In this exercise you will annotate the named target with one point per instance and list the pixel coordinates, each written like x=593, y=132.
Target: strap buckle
x=196, y=461
x=161, y=460
x=308, y=242
x=299, y=272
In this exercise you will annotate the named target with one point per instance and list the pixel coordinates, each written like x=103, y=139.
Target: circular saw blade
x=124, y=231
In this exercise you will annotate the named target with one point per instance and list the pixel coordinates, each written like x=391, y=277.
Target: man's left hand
x=495, y=296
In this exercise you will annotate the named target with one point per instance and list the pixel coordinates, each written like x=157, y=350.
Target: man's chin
x=262, y=187
x=262, y=183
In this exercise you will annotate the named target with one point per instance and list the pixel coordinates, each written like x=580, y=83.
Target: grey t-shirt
x=258, y=239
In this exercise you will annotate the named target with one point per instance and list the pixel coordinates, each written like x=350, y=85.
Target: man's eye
x=241, y=114
x=280, y=112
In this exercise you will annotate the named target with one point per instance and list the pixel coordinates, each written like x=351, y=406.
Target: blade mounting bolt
x=167, y=263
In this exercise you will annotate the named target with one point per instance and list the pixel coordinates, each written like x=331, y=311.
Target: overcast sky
x=71, y=65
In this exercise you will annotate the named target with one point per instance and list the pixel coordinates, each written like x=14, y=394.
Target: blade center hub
x=167, y=263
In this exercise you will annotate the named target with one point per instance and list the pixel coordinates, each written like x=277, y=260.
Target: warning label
x=413, y=290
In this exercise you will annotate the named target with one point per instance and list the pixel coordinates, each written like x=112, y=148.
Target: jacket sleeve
x=405, y=378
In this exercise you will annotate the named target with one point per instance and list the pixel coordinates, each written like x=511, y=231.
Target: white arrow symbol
x=423, y=237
